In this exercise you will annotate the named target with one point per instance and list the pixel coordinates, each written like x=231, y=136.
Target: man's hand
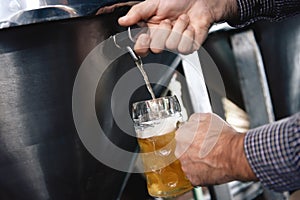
x=212, y=152
x=179, y=25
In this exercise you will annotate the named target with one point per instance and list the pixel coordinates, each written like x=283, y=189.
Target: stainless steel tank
x=42, y=45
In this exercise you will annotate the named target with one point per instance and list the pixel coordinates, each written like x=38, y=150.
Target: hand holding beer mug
x=155, y=123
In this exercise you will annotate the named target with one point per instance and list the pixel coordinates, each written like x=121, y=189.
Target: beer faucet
x=127, y=42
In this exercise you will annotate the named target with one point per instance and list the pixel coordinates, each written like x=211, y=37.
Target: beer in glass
x=155, y=123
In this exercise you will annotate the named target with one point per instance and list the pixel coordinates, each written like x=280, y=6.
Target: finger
x=159, y=36
x=177, y=30
x=179, y=151
x=184, y=137
x=197, y=117
x=139, y=12
x=201, y=31
x=142, y=45
x=186, y=43
x=189, y=170
x=186, y=133
x=212, y=135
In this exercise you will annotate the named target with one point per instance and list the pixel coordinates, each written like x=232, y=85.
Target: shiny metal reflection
x=22, y=12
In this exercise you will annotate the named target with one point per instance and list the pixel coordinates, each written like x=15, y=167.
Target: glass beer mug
x=155, y=123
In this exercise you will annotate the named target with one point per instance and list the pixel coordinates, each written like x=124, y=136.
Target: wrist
x=232, y=10
x=240, y=167
x=226, y=11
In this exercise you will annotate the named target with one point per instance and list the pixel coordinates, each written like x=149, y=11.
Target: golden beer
x=155, y=122
x=169, y=180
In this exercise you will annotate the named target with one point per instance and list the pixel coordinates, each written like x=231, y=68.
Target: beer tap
x=126, y=41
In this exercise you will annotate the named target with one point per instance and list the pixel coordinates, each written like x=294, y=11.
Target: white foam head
x=157, y=127
x=156, y=117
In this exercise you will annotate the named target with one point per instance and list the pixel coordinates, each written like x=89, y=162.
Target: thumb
x=139, y=12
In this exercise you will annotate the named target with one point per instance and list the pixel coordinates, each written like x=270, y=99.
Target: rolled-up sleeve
x=273, y=152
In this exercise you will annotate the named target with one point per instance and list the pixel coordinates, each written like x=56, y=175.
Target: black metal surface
x=21, y=12
x=280, y=47
x=41, y=156
x=218, y=46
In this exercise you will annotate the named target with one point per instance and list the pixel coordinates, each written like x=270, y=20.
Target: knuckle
x=184, y=17
x=184, y=50
x=195, y=117
x=156, y=50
